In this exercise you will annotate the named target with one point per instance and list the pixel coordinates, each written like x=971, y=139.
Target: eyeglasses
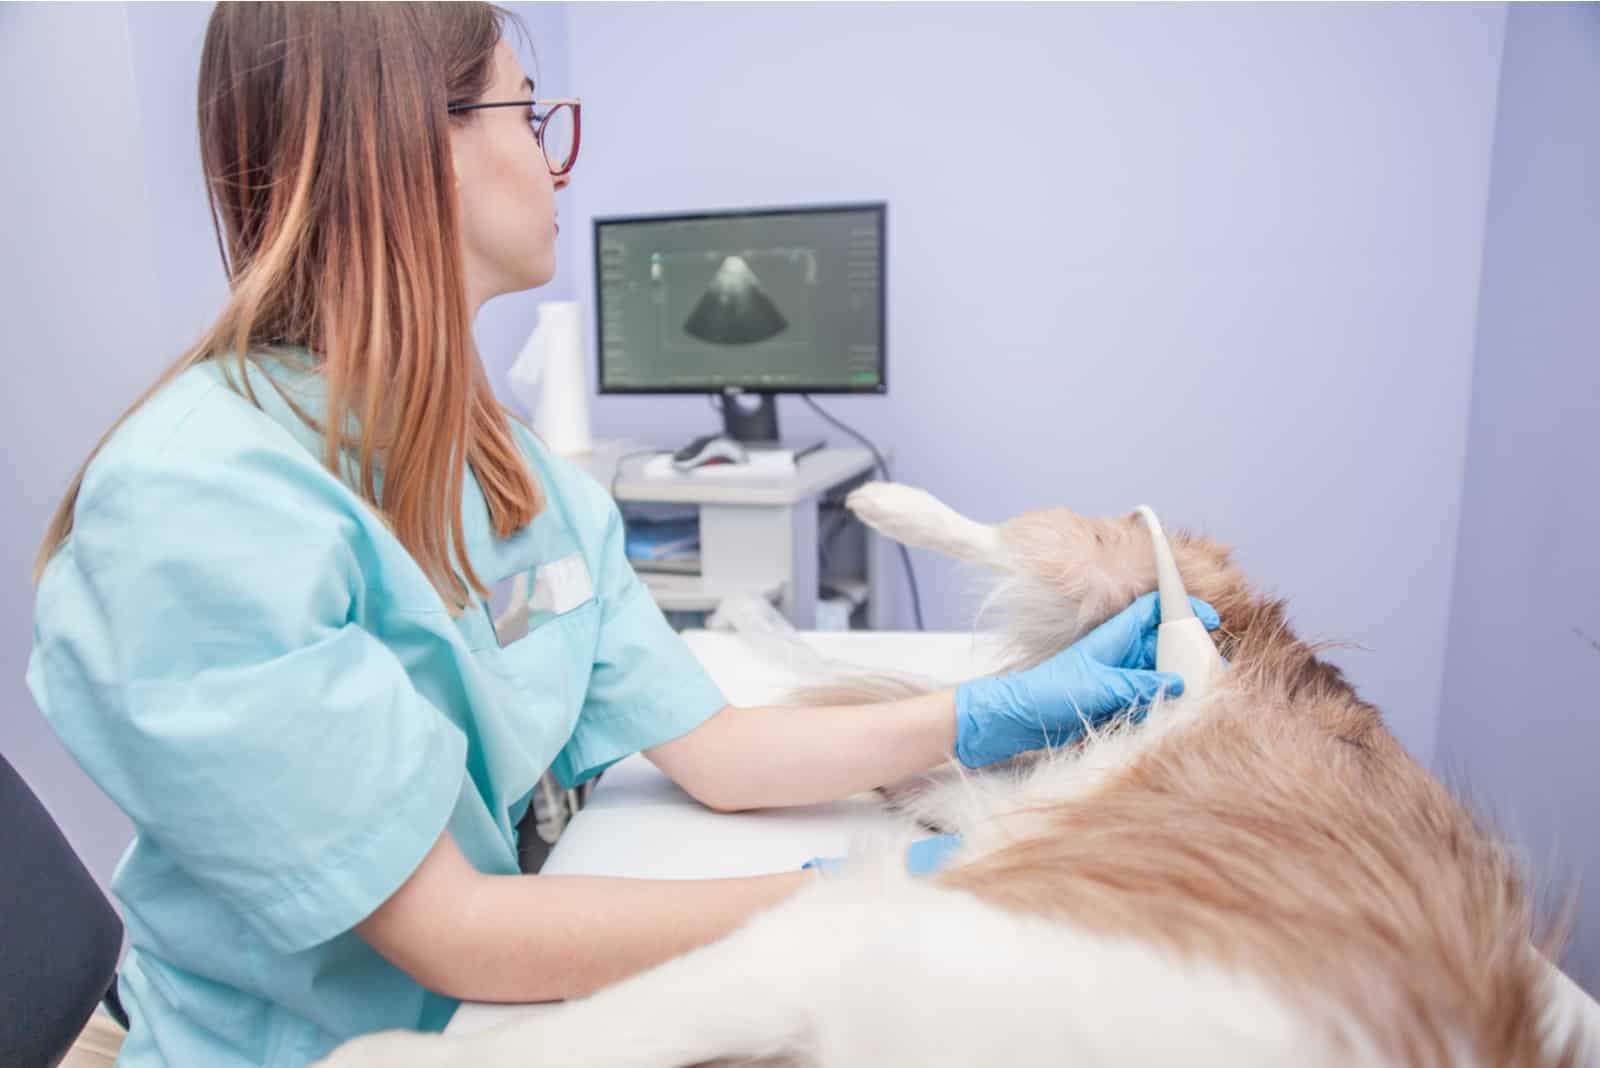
x=557, y=129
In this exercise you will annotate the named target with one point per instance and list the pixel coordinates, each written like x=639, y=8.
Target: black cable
x=883, y=469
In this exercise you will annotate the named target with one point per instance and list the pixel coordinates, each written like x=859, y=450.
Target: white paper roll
x=549, y=379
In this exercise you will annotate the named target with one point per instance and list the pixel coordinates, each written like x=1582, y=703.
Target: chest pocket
x=554, y=627
x=537, y=662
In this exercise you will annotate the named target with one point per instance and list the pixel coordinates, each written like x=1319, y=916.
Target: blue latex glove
x=1103, y=673
x=924, y=857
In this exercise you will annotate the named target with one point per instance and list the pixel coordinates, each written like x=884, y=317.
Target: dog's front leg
x=919, y=519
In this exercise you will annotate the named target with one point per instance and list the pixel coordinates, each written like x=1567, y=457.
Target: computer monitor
x=758, y=301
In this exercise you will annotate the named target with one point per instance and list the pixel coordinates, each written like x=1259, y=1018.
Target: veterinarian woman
x=261, y=621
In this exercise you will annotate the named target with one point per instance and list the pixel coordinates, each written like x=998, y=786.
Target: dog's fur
x=1259, y=876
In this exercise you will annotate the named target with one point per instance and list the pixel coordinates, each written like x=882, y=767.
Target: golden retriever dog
x=1255, y=875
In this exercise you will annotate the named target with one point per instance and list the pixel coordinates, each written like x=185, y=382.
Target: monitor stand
x=757, y=428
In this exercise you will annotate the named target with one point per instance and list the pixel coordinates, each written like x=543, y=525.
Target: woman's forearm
x=548, y=937
x=542, y=938
x=782, y=755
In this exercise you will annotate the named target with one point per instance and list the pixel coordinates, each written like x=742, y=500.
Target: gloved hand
x=1104, y=672
x=924, y=857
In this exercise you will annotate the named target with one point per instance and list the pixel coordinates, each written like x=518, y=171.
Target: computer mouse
x=709, y=449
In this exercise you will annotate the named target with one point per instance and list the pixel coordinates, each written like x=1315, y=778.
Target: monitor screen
x=770, y=300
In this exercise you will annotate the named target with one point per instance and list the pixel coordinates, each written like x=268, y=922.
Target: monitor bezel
x=881, y=207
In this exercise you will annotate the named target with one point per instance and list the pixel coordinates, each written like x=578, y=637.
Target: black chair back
x=59, y=936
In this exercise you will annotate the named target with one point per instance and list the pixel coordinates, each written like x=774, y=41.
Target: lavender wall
x=83, y=317
x=1258, y=226
x=1520, y=719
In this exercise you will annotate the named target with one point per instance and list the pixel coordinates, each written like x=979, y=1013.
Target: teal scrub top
x=240, y=653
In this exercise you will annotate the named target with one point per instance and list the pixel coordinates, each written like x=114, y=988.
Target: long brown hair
x=324, y=137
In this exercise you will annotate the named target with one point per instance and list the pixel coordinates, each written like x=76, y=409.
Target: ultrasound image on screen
x=735, y=310
x=779, y=301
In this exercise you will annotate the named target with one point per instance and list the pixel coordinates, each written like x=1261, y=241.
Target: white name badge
x=561, y=585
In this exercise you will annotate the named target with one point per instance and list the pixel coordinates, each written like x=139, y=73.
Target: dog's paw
x=890, y=507
x=918, y=518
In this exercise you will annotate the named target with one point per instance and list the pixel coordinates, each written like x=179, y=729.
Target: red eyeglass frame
x=550, y=107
